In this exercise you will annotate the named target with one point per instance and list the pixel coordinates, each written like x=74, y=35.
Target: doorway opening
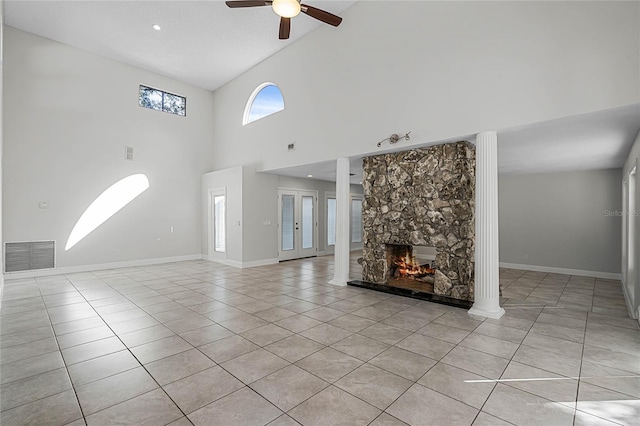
x=217, y=224
x=297, y=224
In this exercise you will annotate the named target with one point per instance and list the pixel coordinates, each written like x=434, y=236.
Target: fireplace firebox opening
x=410, y=267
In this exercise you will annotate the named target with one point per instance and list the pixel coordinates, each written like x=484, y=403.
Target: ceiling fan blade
x=248, y=3
x=285, y=28
x=321, y=15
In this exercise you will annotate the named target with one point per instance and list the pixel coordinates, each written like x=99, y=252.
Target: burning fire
x=408, y=267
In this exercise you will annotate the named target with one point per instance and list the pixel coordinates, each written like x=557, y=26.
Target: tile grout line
x=324, y=322
x=507, y=366
x=132, y=354
x=66, y=367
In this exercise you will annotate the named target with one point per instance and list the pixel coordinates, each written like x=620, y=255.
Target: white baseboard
x=579, y=272
x=627, y=299
x=100, y=266
x=242, y=265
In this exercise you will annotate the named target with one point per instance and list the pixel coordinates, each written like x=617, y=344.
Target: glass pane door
x=288, y=223
x=298, y=223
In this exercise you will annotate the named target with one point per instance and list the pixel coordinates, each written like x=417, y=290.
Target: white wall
x=440, y=69
x=1, y=135
x=561, y=220
x=71, y=115
x=260, y=201
x=632, y=285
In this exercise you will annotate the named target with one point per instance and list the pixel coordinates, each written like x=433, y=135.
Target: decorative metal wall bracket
x=394, y=138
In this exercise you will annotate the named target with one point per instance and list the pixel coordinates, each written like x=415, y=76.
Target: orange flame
x=408, y=267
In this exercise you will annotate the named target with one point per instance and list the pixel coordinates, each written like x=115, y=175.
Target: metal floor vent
x=29, y=255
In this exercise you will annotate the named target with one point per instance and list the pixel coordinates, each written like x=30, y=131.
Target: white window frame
x=252, y=98
x=329, y=249
x=361, y=199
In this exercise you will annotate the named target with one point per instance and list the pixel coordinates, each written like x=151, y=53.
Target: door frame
x=298, y=252
x=214, y=255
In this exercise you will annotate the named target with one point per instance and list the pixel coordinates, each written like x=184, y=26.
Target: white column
x=487, y=290
x=343, y=240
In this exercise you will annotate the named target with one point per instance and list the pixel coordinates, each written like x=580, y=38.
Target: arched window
x=265, y=100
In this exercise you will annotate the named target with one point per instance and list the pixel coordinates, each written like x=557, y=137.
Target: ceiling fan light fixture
x=286, y=8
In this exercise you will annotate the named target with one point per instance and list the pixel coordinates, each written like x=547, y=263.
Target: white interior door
x=297, y=224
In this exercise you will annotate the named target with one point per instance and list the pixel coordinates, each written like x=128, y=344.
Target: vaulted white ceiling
x=204, y=42
x=207, y=44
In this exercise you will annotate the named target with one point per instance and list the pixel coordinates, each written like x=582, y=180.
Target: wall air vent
x=29, y=255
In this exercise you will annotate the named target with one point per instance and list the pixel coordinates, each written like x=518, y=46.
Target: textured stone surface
x=422, y=197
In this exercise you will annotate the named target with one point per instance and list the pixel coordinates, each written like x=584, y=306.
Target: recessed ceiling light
x=156, y=27
x=309, y=175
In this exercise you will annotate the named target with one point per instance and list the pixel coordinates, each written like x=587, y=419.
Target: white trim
x=262, y=262
x=629, y=302
x=100, y=266
x=580, y=272
x=497, y=314
x=251, y=264
x=234, y=263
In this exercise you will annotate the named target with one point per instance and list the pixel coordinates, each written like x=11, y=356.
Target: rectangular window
x=356, y=221
x=331, y=221
x=219, y=223
x=162, y=101
x=307, y=222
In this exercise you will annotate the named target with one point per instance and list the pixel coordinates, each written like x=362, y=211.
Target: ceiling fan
x=288, y=9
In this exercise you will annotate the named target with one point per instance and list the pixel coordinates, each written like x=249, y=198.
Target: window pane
x=307, y=222
x=219, y=223
x=356, y=221
x=331, y=221
x=288, y=222
x=150, y=98
x=174, y=104
x=268, y=101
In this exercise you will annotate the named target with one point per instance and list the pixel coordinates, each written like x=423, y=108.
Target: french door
x=297, y=224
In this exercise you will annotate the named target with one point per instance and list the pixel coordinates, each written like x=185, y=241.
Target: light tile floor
x=200, y=343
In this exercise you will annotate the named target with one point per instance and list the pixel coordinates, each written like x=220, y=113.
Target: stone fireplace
x=421, y=198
